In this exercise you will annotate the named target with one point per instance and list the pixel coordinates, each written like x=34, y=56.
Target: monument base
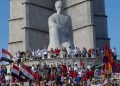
x=74, y=60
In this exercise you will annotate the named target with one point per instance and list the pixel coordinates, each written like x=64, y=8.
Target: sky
x=112, y=11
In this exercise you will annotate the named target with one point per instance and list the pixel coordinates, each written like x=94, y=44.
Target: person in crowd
x=48, y=72
x=93, y=53
x=81, y=63
x=101, y=52
x=33, y=53
x=51, y=52
x=98, y=82
x=97, y=52
x=59, y=69
x=75, y=74
x=38, y=54
x=53, y=74
x=76, y=52
x=28, y=54
x=64, y=52
x=3, y=74
x=45, y=53
x=84, y=52
x=77, y=80
x=21, y=55
x=37, y=78
x=91, y=73
x=114, y=53
x=64, y=70
x=79, y=52
x=40, y=69
x=71, y=71
x=15, y=57
x=70, y=52
x=57, y=52
x=33, y=68
x=76, y=67
x=58, y=79
x=90, y=52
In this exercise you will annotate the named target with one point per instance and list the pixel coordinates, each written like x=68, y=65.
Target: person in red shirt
x=71, y=72
x=91, y=73
x=81, y=64
x=87, y=74
x=64, y=70
x=75, y=74
x=57, y=52
x=38, y=78
x=84, y=78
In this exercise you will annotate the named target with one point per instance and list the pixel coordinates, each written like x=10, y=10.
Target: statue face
x=59, y=7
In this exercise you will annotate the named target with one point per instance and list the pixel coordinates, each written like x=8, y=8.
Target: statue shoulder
x=51, y=19
x=68, y=17
x=52, y=16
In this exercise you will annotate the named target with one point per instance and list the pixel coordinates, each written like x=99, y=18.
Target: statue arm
x=52, y=23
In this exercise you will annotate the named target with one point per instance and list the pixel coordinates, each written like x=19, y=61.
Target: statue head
x=59, y=6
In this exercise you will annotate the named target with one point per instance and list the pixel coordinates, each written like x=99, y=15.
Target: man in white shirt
x=76, y=67
x=76, y=52
x=45, y=53
x=15, y=58
x=70, y=52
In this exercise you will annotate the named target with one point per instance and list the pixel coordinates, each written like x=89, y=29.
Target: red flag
x=107, y=59
x=7, y=53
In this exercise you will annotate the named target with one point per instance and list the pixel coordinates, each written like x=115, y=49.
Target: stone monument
x=60, y=28
x=29, y=28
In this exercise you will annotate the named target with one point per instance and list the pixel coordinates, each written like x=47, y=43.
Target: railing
x=33, y=58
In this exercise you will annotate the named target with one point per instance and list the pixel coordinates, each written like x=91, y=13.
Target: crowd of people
x=63, y=75
x=60, y=53
x=73, y=75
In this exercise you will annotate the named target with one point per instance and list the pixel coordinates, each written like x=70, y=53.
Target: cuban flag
x=15, y=72
x=27, y=72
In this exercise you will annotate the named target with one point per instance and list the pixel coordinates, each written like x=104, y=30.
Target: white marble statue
x=60, y=28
